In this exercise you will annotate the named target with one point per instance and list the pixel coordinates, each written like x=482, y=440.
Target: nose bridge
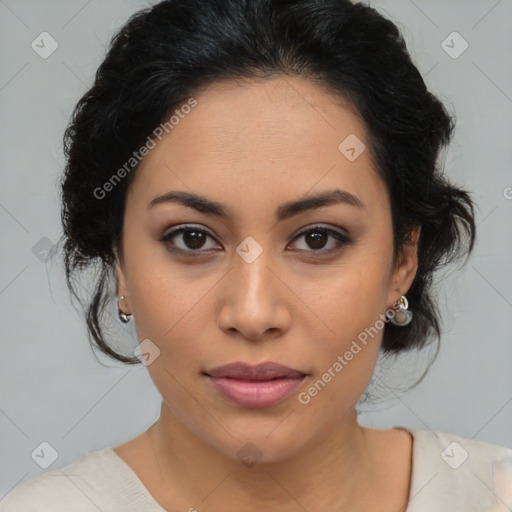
x=251, y=302
x=252, y=264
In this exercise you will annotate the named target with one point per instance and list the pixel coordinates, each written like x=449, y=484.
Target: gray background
x=53, y=388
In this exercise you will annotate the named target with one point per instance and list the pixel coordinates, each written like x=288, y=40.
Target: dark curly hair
x=165, y=53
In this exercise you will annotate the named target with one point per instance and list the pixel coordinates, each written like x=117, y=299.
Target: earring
x=402, y=316
x=124, y=317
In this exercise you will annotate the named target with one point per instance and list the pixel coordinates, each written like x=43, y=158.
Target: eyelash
x=342, y=240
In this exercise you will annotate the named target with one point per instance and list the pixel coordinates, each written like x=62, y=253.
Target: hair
x=165, y=53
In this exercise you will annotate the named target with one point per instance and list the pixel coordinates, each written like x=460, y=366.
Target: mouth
x=257, y=386
x=262, y=371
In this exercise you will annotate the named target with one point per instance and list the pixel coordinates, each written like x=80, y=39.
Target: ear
x=121, y=288
x=405, y=269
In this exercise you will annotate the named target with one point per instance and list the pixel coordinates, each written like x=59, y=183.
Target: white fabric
x=101, y=480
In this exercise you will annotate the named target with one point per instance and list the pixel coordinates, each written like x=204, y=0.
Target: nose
x=254, y=299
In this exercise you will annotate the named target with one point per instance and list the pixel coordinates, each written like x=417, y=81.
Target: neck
x=336, y=473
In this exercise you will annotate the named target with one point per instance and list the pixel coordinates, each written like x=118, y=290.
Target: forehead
x=267, y=135
x=282, y=109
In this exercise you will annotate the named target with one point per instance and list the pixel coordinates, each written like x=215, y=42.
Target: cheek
x=344, y=366
x=352, y=301
x=166, y=297
x=349, y=357
x=170, y=319
x=353, y=309
x=172, y=311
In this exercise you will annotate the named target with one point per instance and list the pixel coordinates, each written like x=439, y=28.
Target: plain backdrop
x=53, y=388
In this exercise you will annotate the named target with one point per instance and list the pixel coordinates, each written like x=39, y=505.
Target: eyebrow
x=283, y=212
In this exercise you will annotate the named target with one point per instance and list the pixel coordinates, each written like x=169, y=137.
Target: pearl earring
x=124, y=317
x=403, y=316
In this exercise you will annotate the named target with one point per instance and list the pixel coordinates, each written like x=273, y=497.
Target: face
x=266, y=281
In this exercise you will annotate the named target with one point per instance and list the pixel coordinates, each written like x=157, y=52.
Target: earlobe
x=121, y=289
x=407, y=266
x=121, y=293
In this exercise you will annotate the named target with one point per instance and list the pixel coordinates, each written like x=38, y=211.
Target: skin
x=254, y=145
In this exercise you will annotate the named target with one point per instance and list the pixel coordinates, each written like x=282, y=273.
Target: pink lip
x=262, y=385
x=262, y=371
x=262, y=393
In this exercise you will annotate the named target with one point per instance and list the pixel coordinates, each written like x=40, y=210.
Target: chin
x=267, y=441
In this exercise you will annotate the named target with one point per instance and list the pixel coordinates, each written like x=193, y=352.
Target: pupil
x=316, y=239
x=194, y=239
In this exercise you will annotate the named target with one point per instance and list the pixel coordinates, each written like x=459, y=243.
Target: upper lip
x=263, y=371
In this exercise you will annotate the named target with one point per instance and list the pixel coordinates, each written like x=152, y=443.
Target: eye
x=189, y=239
x=317, y=238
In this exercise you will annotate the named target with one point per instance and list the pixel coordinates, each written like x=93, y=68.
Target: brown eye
x=317, y=238
x=194, y=239
x=187, y=239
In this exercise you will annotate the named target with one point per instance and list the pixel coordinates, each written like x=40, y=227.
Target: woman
x=260, y=180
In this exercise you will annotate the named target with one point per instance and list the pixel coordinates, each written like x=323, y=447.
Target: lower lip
x=263, y=393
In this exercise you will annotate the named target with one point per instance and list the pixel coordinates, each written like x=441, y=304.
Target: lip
x=255, y=386
x=262, y=371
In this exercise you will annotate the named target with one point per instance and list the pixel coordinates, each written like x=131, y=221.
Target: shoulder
x=77, y=486
x=450, y=472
